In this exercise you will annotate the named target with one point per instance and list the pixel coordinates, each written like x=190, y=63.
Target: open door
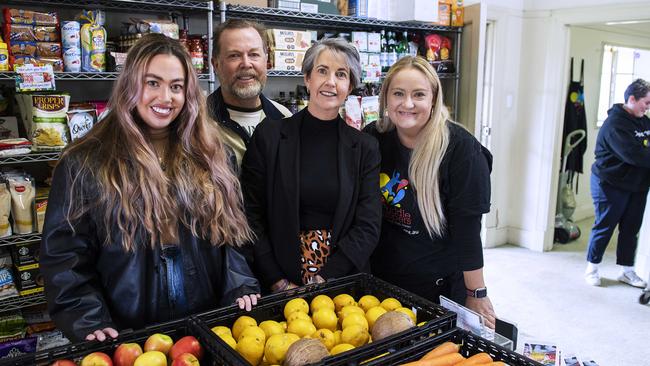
x=472, y=68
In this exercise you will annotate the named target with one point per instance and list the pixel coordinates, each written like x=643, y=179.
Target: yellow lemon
x=242, y=322
x=408, y=312
x=220, y=329
x=298, y=315
x=391, y=304
x=256, y=332
x=337, y=337
x=325, y=319
x=284, y=326
x=271, y=327
x=355, y=319
x=326, y=336
x=228, y=339
x=340, y=348
x=368, y=301
x=321, y=302
x=350, y=309
x=294, y=305
x=373, y=313
x=343, y=300
x=302, y=328
x=251, y=349
x=276, y=347
x=355, y=335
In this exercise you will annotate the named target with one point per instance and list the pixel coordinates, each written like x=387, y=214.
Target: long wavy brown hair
x=115, y=172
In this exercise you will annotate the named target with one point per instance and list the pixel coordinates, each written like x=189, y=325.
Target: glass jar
x=196, y=54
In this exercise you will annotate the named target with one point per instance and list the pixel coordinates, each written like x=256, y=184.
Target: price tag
x=34, y=78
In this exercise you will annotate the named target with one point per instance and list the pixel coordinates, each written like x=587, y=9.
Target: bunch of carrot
x=447, y=354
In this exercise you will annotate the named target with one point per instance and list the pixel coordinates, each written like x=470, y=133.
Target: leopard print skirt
x=314, y=249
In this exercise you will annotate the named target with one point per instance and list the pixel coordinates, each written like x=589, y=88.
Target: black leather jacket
x=91, y=286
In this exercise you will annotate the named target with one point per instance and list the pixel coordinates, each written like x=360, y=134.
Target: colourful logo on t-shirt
x=392, y=189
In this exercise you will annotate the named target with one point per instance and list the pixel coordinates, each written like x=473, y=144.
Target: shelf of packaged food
x=280, y=73
x=10, y=75
x=126, y=5
x=30, y=158
x=17, y=303
x=20, y=239
x=293, y=18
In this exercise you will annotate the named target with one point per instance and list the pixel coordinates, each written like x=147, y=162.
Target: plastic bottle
x=4, y=57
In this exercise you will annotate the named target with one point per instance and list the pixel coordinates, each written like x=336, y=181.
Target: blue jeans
x=615, y=207
x=173, y=259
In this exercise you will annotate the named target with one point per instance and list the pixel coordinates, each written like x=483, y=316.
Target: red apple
x=97, y=359
x=126, y=353
x=187, y=344
x=151, y=358
x=158, y=342
x=63, y=363
x=185, y=359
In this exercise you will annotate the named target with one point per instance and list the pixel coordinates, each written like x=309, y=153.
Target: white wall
x=587, y=44
x=532, y=53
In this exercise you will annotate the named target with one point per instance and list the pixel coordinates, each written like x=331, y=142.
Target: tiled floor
x=546, y=295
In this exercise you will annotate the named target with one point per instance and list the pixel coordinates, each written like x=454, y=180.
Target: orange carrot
x=477, y=359
x=449, y=359
x=443, y=349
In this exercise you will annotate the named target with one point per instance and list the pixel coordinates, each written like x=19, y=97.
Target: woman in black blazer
x=311, y=182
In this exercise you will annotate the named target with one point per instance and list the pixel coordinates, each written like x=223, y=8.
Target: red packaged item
x=48, y=50
x=445, y=48
x=22, y=16
x=432, y=43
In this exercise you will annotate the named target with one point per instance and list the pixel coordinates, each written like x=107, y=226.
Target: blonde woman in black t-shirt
x=435, y=187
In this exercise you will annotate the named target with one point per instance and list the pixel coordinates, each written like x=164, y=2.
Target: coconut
x=305, y=351
x=390, y=323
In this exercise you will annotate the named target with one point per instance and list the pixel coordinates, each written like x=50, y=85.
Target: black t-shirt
x=319, y=177
x=406, y=252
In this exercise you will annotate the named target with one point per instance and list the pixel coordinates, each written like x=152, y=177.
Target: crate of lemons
x=312, y=331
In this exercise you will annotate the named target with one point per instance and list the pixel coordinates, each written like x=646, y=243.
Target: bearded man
x=239, y=56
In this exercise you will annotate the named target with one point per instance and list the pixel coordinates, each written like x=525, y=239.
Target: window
x=621, y=66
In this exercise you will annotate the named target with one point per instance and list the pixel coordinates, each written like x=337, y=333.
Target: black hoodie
x=623, y=152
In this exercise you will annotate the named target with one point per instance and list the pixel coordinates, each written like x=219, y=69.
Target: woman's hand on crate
x=483, y=306
x=247, y=301
x=101, y=334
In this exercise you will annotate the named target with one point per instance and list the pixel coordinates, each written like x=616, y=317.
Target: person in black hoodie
x=619, y=183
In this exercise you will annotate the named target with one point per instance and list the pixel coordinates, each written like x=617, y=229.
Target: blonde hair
x=430, y=147
x=115, y=171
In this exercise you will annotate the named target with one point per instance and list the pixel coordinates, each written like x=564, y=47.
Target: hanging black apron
x=575, y=119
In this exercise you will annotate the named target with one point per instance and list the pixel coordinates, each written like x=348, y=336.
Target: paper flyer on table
x=542, y=352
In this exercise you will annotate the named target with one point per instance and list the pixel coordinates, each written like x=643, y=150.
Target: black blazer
x=270, y=186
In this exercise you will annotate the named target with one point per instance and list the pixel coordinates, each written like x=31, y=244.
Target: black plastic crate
x=470, y=344
x=76, y=351
x=437, y=318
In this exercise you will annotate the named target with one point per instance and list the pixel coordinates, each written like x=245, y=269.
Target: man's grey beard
x=247, y=92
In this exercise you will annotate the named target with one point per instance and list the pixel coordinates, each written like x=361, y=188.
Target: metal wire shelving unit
x=80, y=76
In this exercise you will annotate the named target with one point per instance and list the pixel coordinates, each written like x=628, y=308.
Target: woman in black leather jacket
x=145, y=211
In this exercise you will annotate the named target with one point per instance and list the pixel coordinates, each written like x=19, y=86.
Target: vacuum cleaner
x=565, y=229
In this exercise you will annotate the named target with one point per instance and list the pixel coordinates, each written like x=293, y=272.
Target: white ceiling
x=640, y=29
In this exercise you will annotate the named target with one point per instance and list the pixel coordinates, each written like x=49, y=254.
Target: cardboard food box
x=360, y=40
x=290, y=40
x=457, y=14
x=293, y=5
x=284, y=60
x=256, y=3
x=444, y=12
x=24, y=254
x=320, y=6
x=414, y=10
x=28, y=279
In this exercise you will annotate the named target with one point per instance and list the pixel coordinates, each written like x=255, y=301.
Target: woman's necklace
x=162, y=160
